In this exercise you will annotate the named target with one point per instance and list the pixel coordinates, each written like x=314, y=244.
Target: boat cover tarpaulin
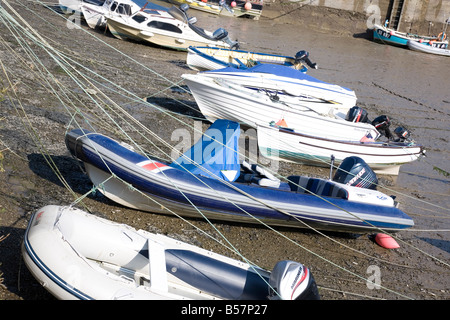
x=278, y=70
x=215, y=154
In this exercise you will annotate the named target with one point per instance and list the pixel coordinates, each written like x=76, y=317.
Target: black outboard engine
x=304, y=56
x=290, y=280
x=354, y=171
x=382, y=124
x=220, y=34
x=357, y=114
x=402, y=134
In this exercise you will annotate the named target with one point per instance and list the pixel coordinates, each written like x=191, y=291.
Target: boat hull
x=383, y=158
x=400, y=39
x=124, y=29
x=417, y=46
x=210, y=58
x=226, y=100
x=157, y=187
x=91, y=258
x=214, y=7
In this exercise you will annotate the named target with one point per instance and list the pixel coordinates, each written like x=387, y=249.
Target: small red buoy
x=281, y=123
x=233, y=4
x=248, y=6
x=386, y=241
x=204, y=0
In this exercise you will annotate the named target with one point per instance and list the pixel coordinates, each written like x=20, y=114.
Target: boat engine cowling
x=357, y=114
x=354, y=171
x=402, y=134
x=382, y=124
x=290, y=280
x=220, y=34
x=303, y=55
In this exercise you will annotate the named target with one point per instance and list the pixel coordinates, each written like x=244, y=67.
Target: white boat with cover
x=170, y=28
x=77, y=255
x=258, y=95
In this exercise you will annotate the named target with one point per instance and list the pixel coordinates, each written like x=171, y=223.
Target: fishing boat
x=170, y=28
x=80, y=256
x=438, y=48
x=390, y=36
x=210, y=58
x=384, y=157
x=95, y=13
x=209, y=181
x=236, y=8
x=257, y=95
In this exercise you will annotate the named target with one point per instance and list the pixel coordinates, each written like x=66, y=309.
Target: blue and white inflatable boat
x=220, y=188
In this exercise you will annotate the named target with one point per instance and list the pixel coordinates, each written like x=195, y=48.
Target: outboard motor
x=354, y=171
x=382, y=124
x=220, y=34
x=304, y=56
x=291, y=280
x=402, y=134
x=357, y=114
x=184, y=7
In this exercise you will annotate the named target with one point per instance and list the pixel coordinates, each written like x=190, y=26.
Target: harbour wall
x=417, y=16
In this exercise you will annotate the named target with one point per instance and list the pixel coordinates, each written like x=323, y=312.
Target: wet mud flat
x=34, y=158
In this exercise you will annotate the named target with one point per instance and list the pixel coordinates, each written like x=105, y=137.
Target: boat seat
x=157, y=266
x=317, y=186
x=259, y=175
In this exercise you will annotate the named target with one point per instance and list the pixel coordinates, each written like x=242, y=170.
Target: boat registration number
x=384, y=33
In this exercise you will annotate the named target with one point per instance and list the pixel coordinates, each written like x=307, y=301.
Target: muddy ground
x=33, y=157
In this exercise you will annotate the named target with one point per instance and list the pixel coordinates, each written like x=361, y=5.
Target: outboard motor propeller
x=382, y=124
x=290, y=280
x=354, y=171
x=357, y=114
x=304, y=56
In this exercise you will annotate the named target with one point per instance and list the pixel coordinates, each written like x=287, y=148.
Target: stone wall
x=419, y=16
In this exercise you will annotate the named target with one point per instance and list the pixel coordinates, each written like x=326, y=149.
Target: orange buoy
x=281, y=123
x=386, y=241
x=248, y=6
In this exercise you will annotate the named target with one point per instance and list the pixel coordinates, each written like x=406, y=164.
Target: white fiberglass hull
x=224, y=100
x=383, y=158
x=417, y=46
x=123, y=28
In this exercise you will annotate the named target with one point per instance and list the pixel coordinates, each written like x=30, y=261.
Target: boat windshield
x=178, y=14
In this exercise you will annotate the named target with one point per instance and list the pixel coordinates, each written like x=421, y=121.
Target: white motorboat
x=209, y=58
x=95, y=13
x=437, y=48
x=170, y=28
x=77, y=255
x=285, y=84
x=384, y=157
x=256, y=98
